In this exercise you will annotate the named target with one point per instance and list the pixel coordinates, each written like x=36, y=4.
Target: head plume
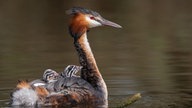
x=76, y=10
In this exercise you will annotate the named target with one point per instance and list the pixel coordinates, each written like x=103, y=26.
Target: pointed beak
x=109, y=23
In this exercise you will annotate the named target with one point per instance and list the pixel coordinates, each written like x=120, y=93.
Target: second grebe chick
x=71, y=70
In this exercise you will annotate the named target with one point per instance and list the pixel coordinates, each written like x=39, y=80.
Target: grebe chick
x=49, y=76
x=71, y=70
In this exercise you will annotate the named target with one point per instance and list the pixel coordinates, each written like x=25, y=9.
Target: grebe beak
x=109, y=23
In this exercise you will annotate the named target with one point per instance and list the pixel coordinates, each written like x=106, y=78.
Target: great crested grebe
x=90, y=86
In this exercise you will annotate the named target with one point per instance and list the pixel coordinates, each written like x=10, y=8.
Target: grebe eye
x=91, y=17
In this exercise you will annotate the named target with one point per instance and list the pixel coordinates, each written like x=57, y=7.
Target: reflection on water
x=152, y=53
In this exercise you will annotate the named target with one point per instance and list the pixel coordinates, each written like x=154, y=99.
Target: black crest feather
x=75, y=10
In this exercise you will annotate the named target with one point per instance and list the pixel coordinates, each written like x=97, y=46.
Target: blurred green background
x=152, y=54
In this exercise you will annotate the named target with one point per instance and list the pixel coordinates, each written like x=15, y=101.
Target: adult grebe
x=90, y=86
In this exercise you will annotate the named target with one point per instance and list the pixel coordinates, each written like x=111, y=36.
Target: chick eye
x=91, y=17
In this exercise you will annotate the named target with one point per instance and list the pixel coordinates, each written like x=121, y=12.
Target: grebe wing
x=37, y=82
x=70, y=90
x=70, y=83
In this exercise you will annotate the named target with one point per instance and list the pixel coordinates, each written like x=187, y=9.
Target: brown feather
x=41, y=91
x=23, y=84
x=78, y=25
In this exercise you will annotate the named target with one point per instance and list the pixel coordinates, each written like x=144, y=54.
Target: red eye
x=92, y=17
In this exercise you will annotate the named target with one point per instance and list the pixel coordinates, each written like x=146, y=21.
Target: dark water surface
x=151, y=55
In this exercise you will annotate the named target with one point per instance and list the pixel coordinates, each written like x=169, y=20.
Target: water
x=151, y=55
